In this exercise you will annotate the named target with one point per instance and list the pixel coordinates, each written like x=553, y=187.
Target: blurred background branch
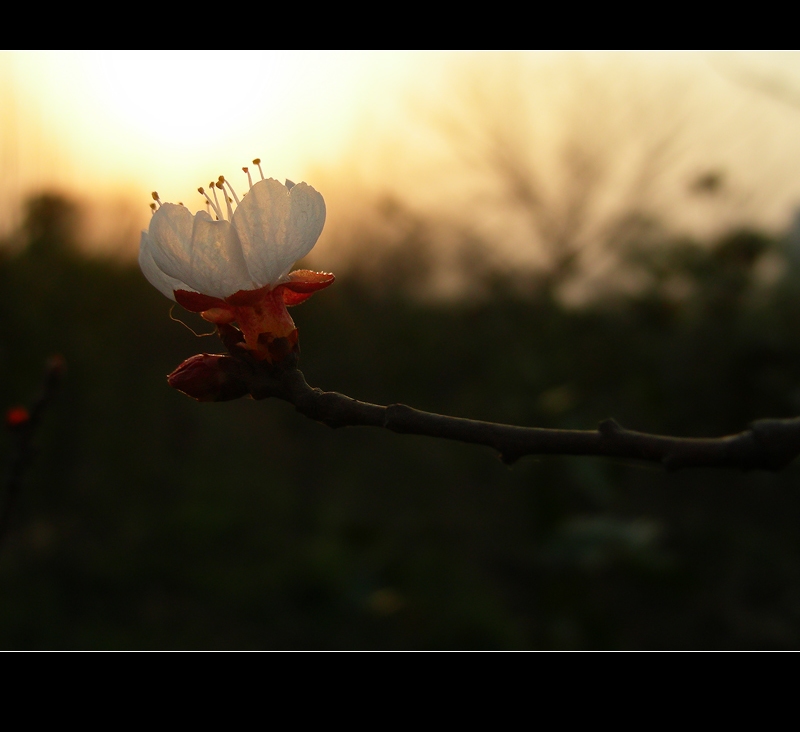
x=23, y=425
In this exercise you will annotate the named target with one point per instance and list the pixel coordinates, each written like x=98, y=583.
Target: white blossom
x=262, y=237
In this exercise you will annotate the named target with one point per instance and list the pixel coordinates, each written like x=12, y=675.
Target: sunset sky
x=112, y=126
x=129, y=122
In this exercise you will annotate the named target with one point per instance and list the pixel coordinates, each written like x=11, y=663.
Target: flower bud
x=208, y=378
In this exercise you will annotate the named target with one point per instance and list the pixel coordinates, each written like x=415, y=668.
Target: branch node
x=610, y=428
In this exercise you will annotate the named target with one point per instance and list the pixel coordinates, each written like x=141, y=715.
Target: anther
x=154, y=194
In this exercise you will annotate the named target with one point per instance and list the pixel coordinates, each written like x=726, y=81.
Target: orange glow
x=426, y=129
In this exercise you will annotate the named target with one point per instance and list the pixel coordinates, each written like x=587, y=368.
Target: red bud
x=208, y=378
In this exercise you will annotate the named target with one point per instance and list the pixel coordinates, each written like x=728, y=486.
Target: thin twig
x=767, y=444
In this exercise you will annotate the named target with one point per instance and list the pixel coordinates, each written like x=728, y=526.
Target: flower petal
x=170, y=238
x=217, y=264
x=277, y=226
x=203, y=253
x=161, y=281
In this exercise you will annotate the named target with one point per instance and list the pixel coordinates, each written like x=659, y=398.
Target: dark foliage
x=149, y=521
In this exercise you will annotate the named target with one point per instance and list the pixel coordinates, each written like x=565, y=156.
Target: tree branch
x=769, y=444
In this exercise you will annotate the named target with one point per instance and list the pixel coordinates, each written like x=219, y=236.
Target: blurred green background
x=149, y=521
x=540, y=239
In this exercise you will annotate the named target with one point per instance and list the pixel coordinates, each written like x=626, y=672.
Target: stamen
x=230, y=188
x=249, y=179
x=257, y=162
x=156, y=198
x=210, y=205
x=217, y=207
x=219, y=185
x=188, y=327
x=152, y=208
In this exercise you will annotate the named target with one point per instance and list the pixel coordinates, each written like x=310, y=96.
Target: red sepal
x=303, y=283
x=248, y=298
x=268, y=329
x=196, y=302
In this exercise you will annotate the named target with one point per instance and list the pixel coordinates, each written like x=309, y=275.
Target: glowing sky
x=121, y=124
x=173, y=119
